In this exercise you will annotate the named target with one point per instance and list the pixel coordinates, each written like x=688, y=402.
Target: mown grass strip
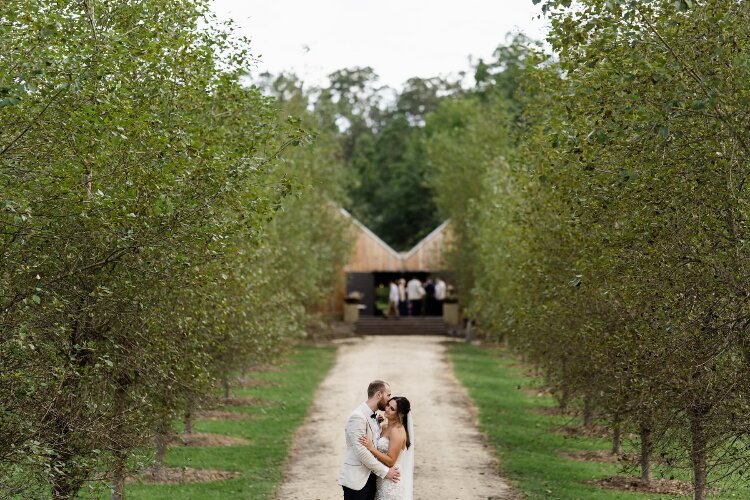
x=530, y=454
x=269, y=431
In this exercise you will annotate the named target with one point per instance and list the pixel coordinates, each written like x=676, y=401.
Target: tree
x=614, y=229
x=140, y=180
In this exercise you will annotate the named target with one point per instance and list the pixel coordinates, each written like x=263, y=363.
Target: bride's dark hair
x=403, y=407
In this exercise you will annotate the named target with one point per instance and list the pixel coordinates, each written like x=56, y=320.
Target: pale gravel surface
x=452, y=461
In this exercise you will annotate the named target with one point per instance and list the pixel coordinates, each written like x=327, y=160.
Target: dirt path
x=452, y=462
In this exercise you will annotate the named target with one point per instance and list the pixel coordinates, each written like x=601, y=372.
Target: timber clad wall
x=371, y=254
x=428, y=254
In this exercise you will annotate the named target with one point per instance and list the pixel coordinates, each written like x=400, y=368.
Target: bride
x=395, y=446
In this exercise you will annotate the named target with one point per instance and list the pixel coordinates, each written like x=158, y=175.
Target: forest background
x=164, y=224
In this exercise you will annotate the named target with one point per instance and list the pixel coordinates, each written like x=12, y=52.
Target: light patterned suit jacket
x=359, y=462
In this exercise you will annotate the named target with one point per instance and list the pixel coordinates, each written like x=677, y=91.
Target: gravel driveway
x=452, y=461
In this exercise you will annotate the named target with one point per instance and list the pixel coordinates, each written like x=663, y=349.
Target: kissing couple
x=379, y=462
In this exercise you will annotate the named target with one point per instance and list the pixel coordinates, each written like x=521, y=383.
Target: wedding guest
x=430, y=302
x=440, y=294
x=403, y=305
x=415, y=292
x=393, y=301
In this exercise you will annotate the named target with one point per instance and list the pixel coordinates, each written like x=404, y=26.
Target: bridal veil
x=407, y=463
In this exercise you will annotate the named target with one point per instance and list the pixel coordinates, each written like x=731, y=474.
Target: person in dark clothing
x=430, y=302
x=403, y=304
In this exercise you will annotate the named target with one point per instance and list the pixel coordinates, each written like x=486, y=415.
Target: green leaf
x=9, y=101
x=698, y=104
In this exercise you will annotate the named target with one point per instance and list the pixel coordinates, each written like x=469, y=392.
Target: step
x=401, y=326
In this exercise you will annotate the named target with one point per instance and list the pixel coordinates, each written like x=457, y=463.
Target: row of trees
x=162, y=226
x=600, y=202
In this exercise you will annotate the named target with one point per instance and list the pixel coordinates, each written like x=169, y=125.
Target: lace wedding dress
x=403, y=490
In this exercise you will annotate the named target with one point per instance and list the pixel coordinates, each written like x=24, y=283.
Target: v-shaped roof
x=371, y=253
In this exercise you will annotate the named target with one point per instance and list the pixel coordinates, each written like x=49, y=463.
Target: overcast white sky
x=398, y=38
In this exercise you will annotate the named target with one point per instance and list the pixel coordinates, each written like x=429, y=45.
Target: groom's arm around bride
x=355, y=428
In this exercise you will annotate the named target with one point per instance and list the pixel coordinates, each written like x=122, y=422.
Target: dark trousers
x=366, y=493
x=432, y=305
x=416, y=307
x=403, y=308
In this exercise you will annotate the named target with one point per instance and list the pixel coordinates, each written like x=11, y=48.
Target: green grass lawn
x=269, y=430
x=529, y=452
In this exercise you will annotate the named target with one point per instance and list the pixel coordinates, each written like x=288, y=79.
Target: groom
x=360, y=467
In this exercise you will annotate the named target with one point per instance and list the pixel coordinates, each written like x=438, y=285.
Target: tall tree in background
x=471, y=144
x=382, y=137
x=377, y=134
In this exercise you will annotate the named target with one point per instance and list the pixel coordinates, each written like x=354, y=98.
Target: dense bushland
x=160, y=229
x=600, y=205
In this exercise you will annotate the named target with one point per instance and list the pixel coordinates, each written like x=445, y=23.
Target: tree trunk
x=645, y=433
x=161, y=452
x=469, y=331
x=588, y=410
x=698, y=454
x=61, y=489
x=225, y=384
x=616, y=437
x=188, y=421
x=564, y=390
x=64, y=484
x=119, y=440
x=564, y=397
x=160, y=444
x=117, y=486
x=66, y=479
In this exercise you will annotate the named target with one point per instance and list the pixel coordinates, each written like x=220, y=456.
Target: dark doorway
x=363, y=283
x=374, y=288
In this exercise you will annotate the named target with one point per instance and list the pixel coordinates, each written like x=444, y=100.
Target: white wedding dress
x=404, y=489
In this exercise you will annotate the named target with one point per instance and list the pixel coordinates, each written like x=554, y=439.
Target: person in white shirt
x=415, y=292
x=440, y=294
x=393, y=300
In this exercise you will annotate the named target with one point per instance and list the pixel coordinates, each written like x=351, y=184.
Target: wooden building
x=373, y=263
